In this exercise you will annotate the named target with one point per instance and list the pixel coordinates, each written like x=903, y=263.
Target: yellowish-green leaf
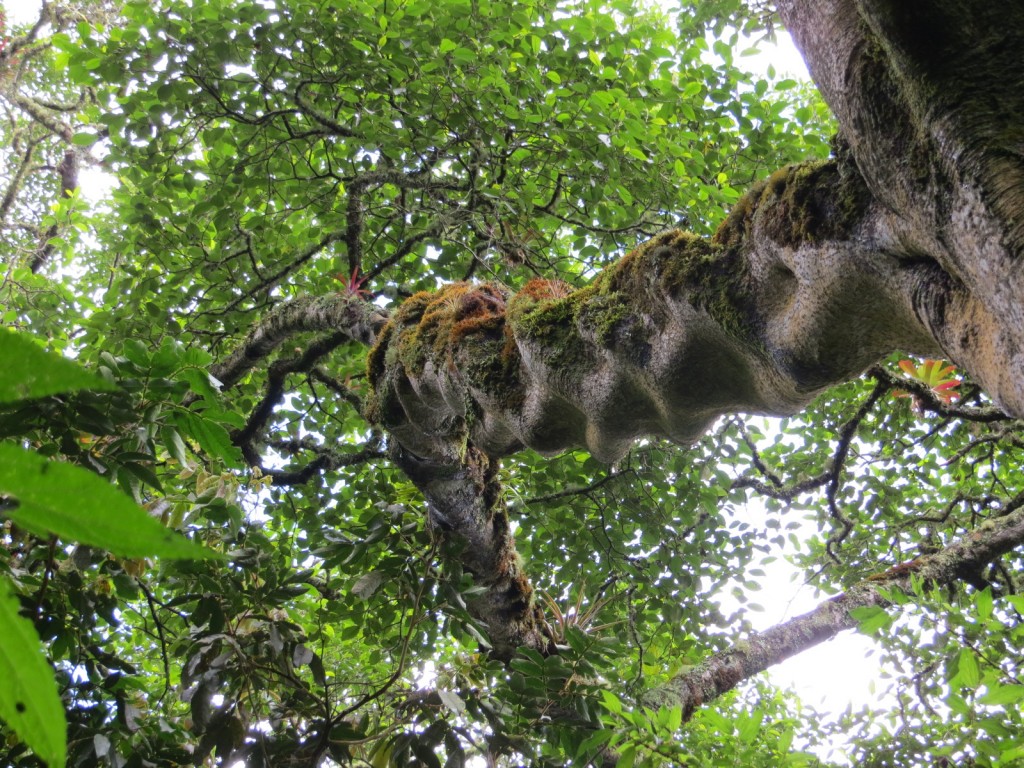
x=29, y=701
x=29, y=371
x=967, y=669
x=47, y=497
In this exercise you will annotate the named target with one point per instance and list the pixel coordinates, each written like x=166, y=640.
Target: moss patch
x=710, y=275
x=809, y=202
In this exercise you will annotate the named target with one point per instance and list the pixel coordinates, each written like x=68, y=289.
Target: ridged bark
x=910, y=239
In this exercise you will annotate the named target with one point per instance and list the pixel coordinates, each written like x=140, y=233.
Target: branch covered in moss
x=791, y=296
x=467, y=513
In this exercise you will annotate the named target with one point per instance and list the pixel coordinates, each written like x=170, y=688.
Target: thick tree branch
x=818, y=272
x=722, y=672
x=675, y=334
x=930, y=107
x=467, y=513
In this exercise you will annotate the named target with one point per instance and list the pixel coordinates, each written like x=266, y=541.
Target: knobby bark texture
x=910, y=238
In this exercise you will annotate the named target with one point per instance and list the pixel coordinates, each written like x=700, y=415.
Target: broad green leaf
x=1011, y=755
x=1000, y=695
x=212, y=438
x=871, y=619
x=84, y=139
x=29, y=701
x=367, y=584
x=453, y=701
x=611, y=702
x=598, y=739
x=627, y=757
x=28, y=371
x=967, y=669
x=50, y=497
x=983, y=602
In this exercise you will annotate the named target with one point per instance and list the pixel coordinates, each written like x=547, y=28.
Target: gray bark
x=910, y=239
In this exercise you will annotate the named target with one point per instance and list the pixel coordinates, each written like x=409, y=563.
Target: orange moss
x=540, y=289
x=481, y=311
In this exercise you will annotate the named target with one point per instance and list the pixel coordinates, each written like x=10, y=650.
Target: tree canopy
x=404, y=402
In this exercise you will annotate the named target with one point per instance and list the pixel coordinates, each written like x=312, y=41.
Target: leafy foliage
x=263, y=149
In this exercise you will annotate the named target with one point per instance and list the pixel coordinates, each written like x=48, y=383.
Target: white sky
x=21, y=11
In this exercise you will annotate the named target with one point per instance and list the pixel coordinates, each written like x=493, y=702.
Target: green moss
x=459, y=319
x=488, y=365
x=376, y=371
x=602, y=314
x=551, y=323
x=710, y=275
x=808, y=202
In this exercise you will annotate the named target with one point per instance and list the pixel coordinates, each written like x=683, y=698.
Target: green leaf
x=367, y=584
x=627, y=757
x=1009, y=756
x=453, y=701
x=201, y=382
x=999, y=695
x=52, y=497
x=29, y=371
x=675, y=719
x=598, y=739
x=174, y=444
x=611, y=702
x=983, y=602
x=212, y=438
x=84, y=139
x=967, y=669
x=29, y=701
x=871, y=619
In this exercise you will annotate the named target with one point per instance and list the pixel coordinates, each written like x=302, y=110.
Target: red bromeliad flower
x=353, y=285
x=935, y=375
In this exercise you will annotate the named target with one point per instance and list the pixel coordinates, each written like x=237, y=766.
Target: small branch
x=581, y=491
x=337, y=387
x=275, y=389
x=400, y=668
x=327, y=460
x=434, y=228
x=160, y=633
x=19, y=178
x=838, y=461
x=68, y=170
x=268, y=282
x=759, y=464
x=929, y=402
x=358, y=320
x=722, y=672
